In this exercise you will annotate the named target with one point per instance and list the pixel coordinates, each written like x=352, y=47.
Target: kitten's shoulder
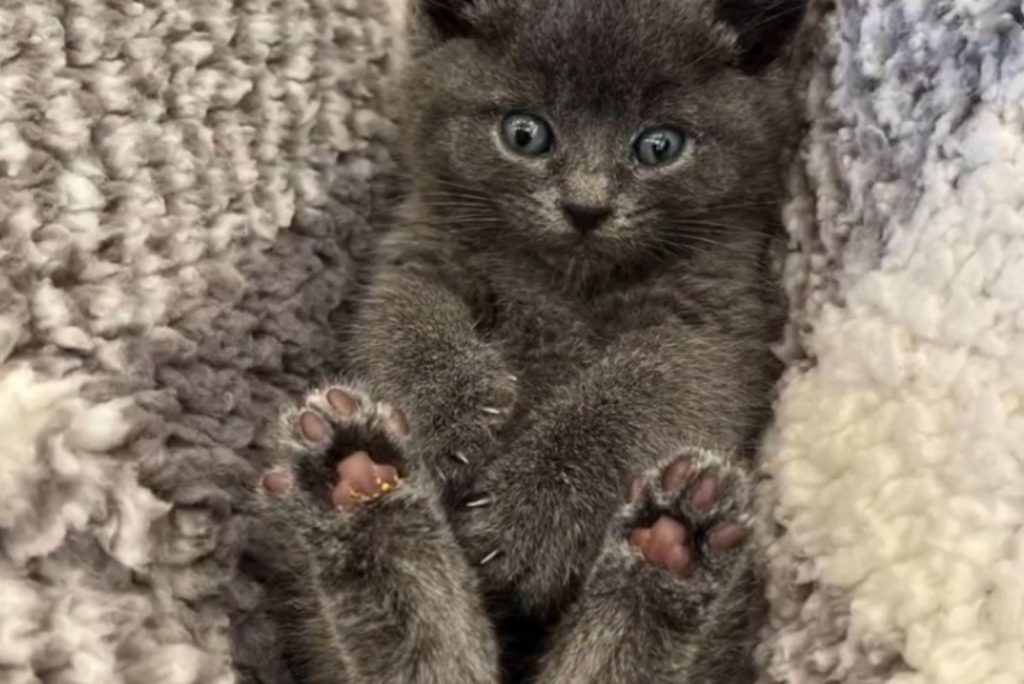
x=418, y=246
x=413, y=239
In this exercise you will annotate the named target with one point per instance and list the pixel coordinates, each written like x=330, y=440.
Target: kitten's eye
x=657, y=146
x=526, y=134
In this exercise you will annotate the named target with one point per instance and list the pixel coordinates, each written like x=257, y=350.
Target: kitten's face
x=593, y=129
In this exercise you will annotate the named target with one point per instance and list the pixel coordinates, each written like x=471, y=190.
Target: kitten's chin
x=581, y=257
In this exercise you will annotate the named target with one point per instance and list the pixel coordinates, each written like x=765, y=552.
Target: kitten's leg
x=367, y=583
x=674, y=597
x=416, y=344
x=546, y=498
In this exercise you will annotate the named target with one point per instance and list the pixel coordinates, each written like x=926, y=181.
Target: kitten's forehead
x=616, y=48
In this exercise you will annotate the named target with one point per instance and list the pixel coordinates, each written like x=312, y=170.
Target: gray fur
x=540, y=372
x=377, y=594
x=635, y=624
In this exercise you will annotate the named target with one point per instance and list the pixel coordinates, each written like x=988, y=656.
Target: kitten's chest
x=544, y=337
x=549, y=337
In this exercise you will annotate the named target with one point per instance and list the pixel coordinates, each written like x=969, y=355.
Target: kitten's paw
x=497, y=398
x=529, y=529
x=344, y=450
x=690, y=517
x=465, y=428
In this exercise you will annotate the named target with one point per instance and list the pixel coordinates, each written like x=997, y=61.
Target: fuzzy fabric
x=897, y=459
x=184, y=190
x=185, y=193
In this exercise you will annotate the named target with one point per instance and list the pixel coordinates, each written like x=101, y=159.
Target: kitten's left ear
x=763, y=28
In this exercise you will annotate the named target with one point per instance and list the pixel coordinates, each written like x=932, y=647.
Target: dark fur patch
x=765, y=27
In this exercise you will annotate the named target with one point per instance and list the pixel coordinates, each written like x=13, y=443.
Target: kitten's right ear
x=444, y=20
x=763, y=28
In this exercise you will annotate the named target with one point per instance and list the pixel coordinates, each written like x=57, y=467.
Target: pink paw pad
x=726, y=536
x=688, y=527
x=361, y=479
x=342, y=402
x=347, y=406
x=278, y=483
x=666, y=544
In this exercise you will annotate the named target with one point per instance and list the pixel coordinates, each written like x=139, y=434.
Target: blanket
x=188, y=188
x=896, y=463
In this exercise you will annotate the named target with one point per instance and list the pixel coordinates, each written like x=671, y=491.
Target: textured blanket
x=186, y=190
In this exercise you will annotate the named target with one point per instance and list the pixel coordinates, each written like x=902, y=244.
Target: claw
x=460, y=457
x=489, y=557
x=513, y=378
x=491, y=411
x=479, y=503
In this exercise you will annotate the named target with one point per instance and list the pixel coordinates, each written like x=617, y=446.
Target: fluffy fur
x=183, y=195
x=173, y=363
x=540, y=368
x=896, y=461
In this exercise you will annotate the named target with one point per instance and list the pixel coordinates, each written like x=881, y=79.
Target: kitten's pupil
x=661, y=147
x=523, y=137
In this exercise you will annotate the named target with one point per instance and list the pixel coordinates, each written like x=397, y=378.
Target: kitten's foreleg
x=366, y=581
x=416, y=345
x=545, y=499
x=674, y=597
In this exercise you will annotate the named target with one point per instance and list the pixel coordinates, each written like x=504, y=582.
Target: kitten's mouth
x=592, y=243
x=591, y=249
x=571, y=245
x=583, y=238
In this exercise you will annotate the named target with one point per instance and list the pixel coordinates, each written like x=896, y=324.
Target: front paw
x=464, y=426
x=341, y=451
x=344, y=448
x=494, y=395
x=531, y=530
x=688, y=520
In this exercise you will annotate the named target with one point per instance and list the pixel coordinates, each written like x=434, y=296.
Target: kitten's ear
x=763, y=28
x=443, y=20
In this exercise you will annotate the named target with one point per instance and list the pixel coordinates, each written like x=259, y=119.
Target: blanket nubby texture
x=184, y=187
x=187, y=188
x=897, y=457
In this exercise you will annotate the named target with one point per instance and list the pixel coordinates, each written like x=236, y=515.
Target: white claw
x=513, y=378
x=461, y=458
x=491, y=411
x=489, y=557
x=479, y=503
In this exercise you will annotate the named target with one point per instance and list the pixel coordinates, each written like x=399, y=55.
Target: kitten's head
x=598, y=130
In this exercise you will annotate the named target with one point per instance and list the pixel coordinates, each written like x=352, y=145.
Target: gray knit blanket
x=186, y=190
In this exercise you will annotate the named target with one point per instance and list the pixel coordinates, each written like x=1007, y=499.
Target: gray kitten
x=577, y=292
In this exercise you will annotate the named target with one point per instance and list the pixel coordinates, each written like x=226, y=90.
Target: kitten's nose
x=585, y=218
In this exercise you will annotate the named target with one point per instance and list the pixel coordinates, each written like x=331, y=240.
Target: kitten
x=562, y=359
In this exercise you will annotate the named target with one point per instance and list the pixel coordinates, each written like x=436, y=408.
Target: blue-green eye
x=658, y=146
x=526, y=134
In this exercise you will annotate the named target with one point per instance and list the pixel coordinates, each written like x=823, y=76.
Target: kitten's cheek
x=473, y=154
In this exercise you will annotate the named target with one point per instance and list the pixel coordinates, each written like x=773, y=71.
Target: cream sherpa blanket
x=185, y=192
